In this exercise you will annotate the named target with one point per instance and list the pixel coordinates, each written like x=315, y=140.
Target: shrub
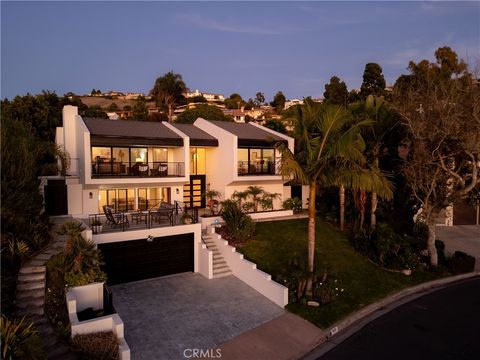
x=326, y=290
x=294, y=204
x=240, y=225
x=461, y=263
x=101, y=345
x=20, y=340
x=386, y=248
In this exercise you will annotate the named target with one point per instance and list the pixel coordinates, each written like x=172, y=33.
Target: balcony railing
x=126, y=169
x=261, y=167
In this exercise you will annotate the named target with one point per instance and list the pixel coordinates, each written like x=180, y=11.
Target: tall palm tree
x=168, y=90
x=329, y=153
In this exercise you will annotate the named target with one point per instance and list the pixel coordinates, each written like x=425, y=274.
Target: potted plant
x=97, y=226
x=186, y=219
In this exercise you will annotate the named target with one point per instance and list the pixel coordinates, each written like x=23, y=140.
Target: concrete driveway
x=165, y=316
x=464, y=238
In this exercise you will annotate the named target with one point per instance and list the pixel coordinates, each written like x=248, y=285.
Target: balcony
x=257, y=168
x=134, y=170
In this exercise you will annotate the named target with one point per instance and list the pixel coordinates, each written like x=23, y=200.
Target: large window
x=253, y=161
x=133, y=161
x=197, y=161
x=124, y=200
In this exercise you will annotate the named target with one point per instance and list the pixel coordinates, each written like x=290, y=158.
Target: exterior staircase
x=30, y=296
x=220, y=267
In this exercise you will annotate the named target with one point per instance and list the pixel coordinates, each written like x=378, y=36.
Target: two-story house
x=131, y=165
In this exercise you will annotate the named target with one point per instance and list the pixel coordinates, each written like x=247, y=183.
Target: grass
x=280, y=245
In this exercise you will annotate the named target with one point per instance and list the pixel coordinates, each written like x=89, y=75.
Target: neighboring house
x=210, y=97
x=135, y=165
x=293, y=102
x=238, y=115
x=133, y=96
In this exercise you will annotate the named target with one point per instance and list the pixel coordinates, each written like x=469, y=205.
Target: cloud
x=205, y=22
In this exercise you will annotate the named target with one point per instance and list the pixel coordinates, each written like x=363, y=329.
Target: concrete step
x=26, y=278
x=221, y=271
x=38, y=263
x=31, y=286
x=220, y=275
x=30, y=294
x=219, y=263
x=32, y=269
x=217, y=269
x=43, y=256
x=31, y=311
x=29, y=303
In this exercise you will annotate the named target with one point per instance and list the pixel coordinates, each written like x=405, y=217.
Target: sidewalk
x=285, y=337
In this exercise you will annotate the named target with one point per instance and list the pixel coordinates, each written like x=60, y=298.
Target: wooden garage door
x=134, y=260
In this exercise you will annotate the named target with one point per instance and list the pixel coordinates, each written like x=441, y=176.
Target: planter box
x=212, y=220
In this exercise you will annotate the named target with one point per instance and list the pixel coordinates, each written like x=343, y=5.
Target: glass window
x=201, y=161
x=102, y=200
x=142, y=199
x=197, y=161
x=101, y=154
x=112, y=199
x=160, y=154
x=139, y=155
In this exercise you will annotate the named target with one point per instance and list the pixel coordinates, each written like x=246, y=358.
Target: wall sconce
x=90, y=195
x=177, y=191
x=149, y=238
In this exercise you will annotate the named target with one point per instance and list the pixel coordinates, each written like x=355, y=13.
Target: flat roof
x=248, y=134
x=197, y=136
x=130, y=132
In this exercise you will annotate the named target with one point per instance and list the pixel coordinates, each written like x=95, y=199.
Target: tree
x=373, y=81
x=259, y=99
x=235, y=101
x=139, y=109
x=336, y=92
x=95, y=111
x=255, y=192
x=204, y=111
x=439, y=106
x=276, y=125
x=112, y=107
x=329, y=153
x=168, y=92
x=279, y=101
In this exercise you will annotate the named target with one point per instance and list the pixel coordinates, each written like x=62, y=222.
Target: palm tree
x=240, y=196
x=168, y=90
x=210, y=195
x=73, y=231
x=255, y=192
x=329, y=153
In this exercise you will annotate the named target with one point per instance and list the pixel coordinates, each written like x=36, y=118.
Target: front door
x=193, y=192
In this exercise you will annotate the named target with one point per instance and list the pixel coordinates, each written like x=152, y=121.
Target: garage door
x=134, y=260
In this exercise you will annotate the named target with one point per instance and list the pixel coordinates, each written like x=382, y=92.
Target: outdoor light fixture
x=90, y=194
x=149, y=238
x=177, y=191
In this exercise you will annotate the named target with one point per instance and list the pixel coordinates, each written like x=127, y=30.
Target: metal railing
x=130, y=169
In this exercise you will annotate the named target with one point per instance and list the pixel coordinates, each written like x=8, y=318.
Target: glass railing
x=261, y=167
x=126, y=169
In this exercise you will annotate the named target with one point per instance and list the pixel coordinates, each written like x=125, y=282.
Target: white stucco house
x=132, y=167
x=135, y=165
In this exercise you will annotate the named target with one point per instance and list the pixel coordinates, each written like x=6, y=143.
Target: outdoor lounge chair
x=115, y=219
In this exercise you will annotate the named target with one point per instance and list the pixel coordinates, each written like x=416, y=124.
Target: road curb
x=351, y=324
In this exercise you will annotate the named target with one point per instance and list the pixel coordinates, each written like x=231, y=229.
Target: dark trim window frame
x=258, y=163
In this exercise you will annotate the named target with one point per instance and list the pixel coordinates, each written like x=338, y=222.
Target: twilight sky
x=223, y=47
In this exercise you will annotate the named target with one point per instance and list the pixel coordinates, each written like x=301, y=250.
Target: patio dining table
x=140, y=216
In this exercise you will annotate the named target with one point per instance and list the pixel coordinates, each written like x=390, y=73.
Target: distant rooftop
x=124, y=132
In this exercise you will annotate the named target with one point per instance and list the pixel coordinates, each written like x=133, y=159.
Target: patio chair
x=143, y=170
x=165, y=210
x=116, y=219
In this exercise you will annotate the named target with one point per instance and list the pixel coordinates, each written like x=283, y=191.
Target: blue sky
x=223, y=47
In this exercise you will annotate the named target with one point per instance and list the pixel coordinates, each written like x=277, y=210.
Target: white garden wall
x=248, y=272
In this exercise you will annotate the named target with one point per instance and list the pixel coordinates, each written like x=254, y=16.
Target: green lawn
x=279, y=244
